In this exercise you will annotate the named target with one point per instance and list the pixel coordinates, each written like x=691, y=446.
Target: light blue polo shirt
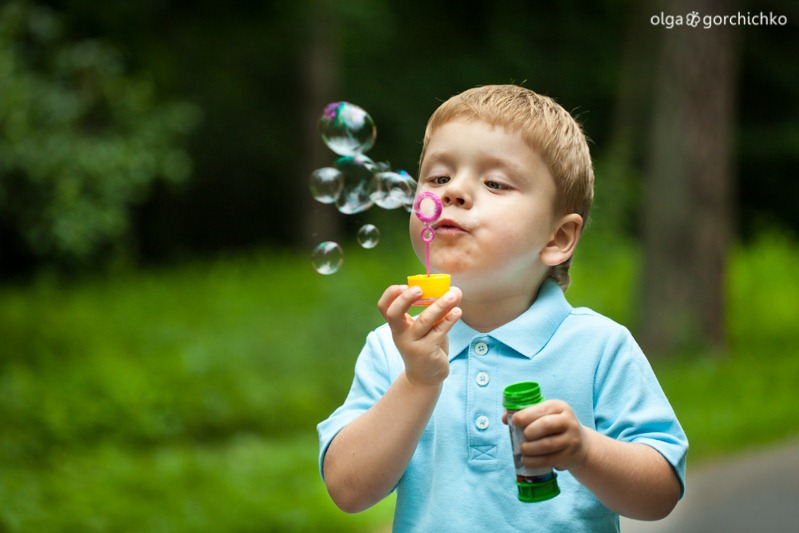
x=461, y=477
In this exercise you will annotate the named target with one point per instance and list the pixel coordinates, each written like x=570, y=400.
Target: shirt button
x=482, y=379
x=482, y=422
x=481, y=348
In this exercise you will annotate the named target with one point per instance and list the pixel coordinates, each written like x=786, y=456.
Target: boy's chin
x=447, y=265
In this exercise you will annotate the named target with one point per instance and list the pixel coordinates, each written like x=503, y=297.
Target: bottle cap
x=433, y=286
x=521, y=395
x=539, y=491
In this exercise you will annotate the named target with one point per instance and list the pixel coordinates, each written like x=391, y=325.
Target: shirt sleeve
x=375, y=370
x=630, y=404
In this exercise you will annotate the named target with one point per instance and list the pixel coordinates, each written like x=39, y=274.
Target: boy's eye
x=439, y=180
x=495, y=185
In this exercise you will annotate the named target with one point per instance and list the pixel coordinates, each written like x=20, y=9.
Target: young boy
x=424, y=415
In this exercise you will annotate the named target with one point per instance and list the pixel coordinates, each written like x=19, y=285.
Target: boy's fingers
x=528, y=415
x=446, y=323
x=441, y=315
x=396, y=302
x=544, y=427
x=538, y=420
x=389, y=295
x=547, y=418
x=396, y=311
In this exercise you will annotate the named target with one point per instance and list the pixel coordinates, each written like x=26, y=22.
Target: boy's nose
x=456, y=194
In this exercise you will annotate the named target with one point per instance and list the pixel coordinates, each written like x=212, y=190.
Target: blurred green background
x=166, y=349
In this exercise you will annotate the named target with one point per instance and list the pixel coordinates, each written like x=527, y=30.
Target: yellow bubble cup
x=433, y=287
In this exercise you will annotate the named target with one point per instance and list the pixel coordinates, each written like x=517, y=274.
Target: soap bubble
x=368, y=236
x=347, y=129
x=354, y=183
x=394, y=189
x=359, y=184
x=326, y=184
x=327, y=257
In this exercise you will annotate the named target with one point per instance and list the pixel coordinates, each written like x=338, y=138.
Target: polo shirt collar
x=528, y=333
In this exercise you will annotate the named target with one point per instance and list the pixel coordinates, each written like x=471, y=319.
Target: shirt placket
x=482, y=413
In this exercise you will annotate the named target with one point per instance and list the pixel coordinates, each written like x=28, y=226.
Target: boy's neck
x=487, y=313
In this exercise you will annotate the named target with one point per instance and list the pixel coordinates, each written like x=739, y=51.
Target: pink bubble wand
x=433, y=285
x=428, y=233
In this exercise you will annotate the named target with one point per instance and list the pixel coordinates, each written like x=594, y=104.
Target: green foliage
x=749, y=397
x=180, y=400
x=186, y=399
x=80, y=139
x=246, y=484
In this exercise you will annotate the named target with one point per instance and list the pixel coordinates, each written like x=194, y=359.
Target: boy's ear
x=563, y=240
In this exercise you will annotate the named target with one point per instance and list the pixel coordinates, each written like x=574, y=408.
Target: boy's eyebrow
x=435, y=157
x=445, y=157
x=511, y=169
x=494, y=162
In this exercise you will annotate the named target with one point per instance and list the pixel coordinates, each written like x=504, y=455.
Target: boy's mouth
x=447, y=226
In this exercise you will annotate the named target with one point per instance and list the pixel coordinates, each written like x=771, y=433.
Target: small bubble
x=327, y=257
x=347, y=129
x=326, y=184
x=359, y=184
x=394, y=189
x=368, y=236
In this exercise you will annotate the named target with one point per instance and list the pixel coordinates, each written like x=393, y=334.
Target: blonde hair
x=546, y=127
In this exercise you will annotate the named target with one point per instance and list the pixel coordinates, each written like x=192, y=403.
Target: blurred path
x=757, y=491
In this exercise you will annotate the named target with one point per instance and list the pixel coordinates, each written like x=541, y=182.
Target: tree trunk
x=687, y=219
x=320, y=71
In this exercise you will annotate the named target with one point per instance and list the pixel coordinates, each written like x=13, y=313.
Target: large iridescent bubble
x=347, y=129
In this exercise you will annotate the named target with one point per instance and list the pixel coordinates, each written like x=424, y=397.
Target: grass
x=186, y=398
x=168, y=400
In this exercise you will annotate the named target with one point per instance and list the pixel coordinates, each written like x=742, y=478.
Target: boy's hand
x=553, y=437
x=422, y=341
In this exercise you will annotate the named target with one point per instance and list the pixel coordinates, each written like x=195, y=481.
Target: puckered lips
x=447, y=226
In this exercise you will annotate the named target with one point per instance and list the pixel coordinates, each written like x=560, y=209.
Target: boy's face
x=498, y=215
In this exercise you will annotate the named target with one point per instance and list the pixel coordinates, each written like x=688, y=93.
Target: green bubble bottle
x=533, y=484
